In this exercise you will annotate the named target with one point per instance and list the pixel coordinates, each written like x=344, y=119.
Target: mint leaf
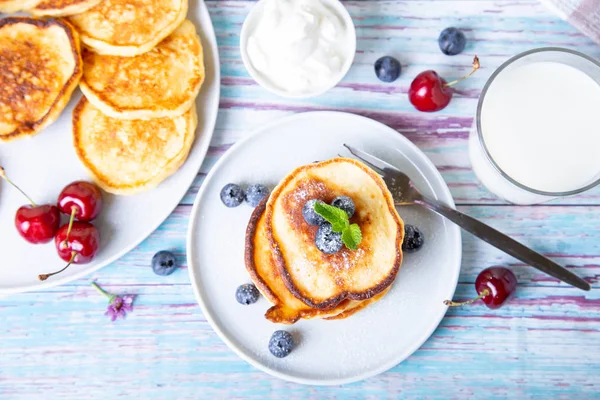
x=352, y=236
x=335, y=216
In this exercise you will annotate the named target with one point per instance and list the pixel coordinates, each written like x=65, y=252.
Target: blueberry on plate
x=344, y=203
x=387, y=69
x=281, y=344
x=452, y=41
x=413, y=239
x=232, y=195
x=247, y=294
x=255, y=193
x=310, y=215
x=328, y=241
x=163, y=263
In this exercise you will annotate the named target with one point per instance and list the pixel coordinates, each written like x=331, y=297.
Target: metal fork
x=405, y=193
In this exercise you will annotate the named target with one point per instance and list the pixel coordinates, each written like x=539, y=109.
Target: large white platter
x=329, y=352
x=44, y=164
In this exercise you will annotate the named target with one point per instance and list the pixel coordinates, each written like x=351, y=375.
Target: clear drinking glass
x=486, y=168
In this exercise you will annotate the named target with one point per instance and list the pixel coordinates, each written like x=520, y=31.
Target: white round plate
x=327, y=352
x=44, y=164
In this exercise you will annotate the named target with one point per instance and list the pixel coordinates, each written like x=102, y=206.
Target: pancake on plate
x=322, y=281
x=286, y=308
x=160, y=83
x=61, y=8
x=129, y=28
x=130, y=156
x=40, y=66
x=11, y=6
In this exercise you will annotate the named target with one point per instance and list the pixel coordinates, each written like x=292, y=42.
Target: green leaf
x=335, y=216
x=352, y=236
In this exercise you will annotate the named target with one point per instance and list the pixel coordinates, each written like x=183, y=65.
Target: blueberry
x=345, y=203
x=163, y=263
x=387, y=69
x=328, y=241
x=255, y=193
x=281, y=344
x=413, y=239
x=232, y=195
x=310, y=215
x=247, y=294
x=452, y=41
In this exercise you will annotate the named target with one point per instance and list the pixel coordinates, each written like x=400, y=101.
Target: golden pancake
x=322, y=280
x=40, y=66
x=160, y=83
x=130, y=156
x=286, y=308
x=129, y=27
x=62, y=8
x=11, y=6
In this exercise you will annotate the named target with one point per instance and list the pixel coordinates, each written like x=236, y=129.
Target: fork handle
x=505, y=243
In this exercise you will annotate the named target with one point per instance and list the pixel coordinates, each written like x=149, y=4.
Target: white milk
x=541, y=125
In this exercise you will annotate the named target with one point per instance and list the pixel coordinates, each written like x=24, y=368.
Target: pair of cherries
x=76, y=242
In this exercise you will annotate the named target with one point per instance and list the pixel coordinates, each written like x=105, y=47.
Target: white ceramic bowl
x=251, y=21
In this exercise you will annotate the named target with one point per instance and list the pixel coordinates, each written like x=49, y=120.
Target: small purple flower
x=118, y=306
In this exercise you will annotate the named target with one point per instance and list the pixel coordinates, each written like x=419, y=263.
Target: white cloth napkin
x=582, y=14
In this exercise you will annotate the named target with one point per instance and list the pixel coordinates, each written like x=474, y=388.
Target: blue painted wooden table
x=546, y=343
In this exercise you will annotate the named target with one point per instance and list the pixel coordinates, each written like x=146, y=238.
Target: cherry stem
x=43, y=277
x=103, y=292
x=476, y=66
x=5, y=177
x=73, y=211
x=483, y=293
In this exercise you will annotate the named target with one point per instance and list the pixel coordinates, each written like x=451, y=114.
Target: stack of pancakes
x=140, y=70
x=299, y=280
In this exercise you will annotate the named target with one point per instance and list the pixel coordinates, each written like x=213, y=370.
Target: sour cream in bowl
x=298, y=48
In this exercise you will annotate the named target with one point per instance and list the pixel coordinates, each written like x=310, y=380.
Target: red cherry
x=36, y=224
x=76, y=243
x=495, y=286
x=499, y=283
x=82, y=199
x=429, y=92
x=84, y=239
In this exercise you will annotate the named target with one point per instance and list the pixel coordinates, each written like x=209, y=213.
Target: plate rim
x=209, y=39
x=193, y=218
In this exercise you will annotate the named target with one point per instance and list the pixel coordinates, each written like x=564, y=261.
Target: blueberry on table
x=344, y=203
x=452, y=41
x=328, y=241
x=247, y=294
x=387, y=69
x=163, y=263
x=310, y=215
x=232, y=195
x=281, y=344
x=255, y=193
x=413, y=239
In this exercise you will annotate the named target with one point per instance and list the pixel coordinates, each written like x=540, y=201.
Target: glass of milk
x=537, y=132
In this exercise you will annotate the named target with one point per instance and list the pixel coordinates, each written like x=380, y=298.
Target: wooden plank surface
x=545, y=344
